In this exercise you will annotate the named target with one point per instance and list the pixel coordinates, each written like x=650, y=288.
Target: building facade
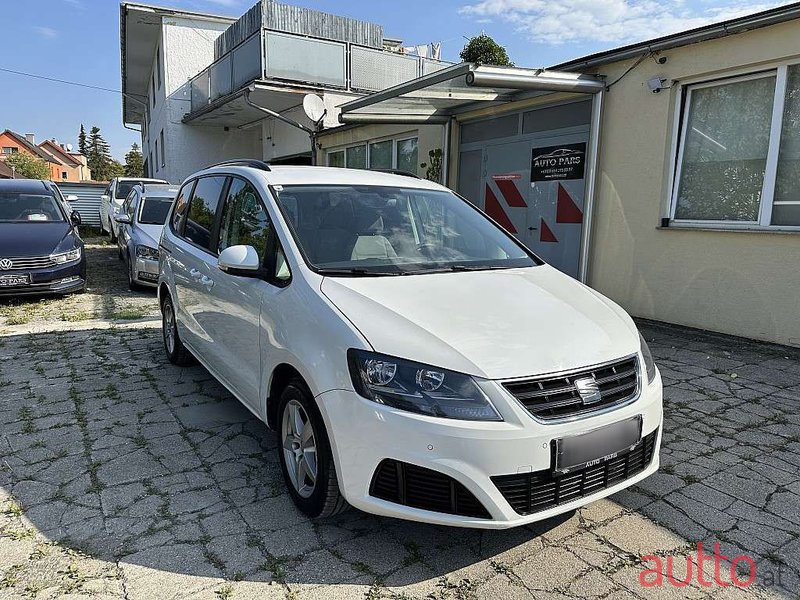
x=63, y=164
x=673, y=189
x=205, y=88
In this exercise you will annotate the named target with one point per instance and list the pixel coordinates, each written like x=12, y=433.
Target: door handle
x=532, y=228
x=195, y=274
x=207, y=281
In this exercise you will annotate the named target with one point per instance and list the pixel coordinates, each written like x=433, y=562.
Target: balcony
x=298, y=63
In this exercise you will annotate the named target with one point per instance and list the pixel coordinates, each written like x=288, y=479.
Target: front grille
x=551, y=398
x=418, y=487
x=528, y=493
x=27, y=263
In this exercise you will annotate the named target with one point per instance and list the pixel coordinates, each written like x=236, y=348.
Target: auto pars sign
x=557, y=163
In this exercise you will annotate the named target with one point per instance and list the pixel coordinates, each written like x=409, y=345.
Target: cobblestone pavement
x=122, y=476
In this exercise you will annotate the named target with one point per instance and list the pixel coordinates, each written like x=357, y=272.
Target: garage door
x=531, y=180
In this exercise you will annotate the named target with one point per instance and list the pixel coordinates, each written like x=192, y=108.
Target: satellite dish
x=69, y=147
x=314, y=107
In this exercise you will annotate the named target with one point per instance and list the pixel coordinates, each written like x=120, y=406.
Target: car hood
x=31, y=239
x=492, y=324
x=149, y=235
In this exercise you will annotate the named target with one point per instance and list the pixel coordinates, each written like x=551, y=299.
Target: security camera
x=656, y=84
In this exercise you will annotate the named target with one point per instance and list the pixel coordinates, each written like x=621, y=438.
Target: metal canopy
x=434, y=98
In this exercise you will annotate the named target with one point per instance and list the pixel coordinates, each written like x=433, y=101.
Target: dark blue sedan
x=40, y=249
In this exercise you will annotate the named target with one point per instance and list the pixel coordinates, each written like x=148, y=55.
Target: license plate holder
x=597, y=446
x=14, y=280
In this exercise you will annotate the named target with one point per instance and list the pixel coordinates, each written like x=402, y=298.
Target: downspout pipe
x=592, y=165
x=312, y=133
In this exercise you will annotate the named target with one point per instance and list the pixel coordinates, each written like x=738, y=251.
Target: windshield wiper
x=358, y=272
x=477, y=268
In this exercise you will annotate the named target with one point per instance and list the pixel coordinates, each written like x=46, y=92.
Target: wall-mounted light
x=656, y=84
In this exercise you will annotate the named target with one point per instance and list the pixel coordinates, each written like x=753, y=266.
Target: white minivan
x=415, y=360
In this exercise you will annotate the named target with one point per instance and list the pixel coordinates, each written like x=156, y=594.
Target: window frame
x=395, y=139
x=683, y=106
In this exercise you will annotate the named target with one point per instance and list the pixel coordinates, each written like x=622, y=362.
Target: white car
x=112, y=199
x=415, y=360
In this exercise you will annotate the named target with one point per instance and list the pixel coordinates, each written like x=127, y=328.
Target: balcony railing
x=291, y=58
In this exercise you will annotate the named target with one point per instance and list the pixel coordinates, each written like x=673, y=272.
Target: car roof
x=153, y=189
x=307, y=175
x=23, y=186
x=143, y=179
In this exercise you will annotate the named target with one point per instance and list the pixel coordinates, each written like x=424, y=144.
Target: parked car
x=139, y=225
x=112, y=199
x=415, y=359
x=41, y=251
x=65, y=200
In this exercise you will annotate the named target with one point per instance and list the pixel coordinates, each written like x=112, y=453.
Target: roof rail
x=397, y=172
x=243, y=162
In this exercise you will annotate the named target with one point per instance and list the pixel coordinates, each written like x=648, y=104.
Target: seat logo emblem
x=588, y=390
x=5, y=264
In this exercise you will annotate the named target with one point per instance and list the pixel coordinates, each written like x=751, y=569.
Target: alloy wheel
x=299, y=448
x=169, y=328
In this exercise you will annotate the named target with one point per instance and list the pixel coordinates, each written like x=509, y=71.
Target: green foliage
x=82, y=145
x=134, y=162
x=25, y=165
x=433, y=168
x=98, y=155
x=484, y=50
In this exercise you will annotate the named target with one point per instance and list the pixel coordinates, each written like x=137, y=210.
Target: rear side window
x=181, y=204
x=244, y=219
x=203, y=210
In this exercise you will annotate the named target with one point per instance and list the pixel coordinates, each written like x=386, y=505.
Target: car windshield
x=377, y=230
x=20, y=207
x=154, y=210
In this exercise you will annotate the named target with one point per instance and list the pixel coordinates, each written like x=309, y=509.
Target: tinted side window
x=181, y=203
x=244, y=219
x=203, y=210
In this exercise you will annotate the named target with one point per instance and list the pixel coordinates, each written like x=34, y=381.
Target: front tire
x=305, y=454
x=176, y=352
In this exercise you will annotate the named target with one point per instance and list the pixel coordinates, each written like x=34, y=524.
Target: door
x=234, y=303
x=194, y=262
x=535, y=189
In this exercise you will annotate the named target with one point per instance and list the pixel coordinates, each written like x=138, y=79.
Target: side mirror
x=71, y=198
x=75, y=217
x=105, y=197
x=123, y=218
x=240, y=260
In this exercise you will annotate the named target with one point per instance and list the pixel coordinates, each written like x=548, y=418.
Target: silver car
x=139, y=223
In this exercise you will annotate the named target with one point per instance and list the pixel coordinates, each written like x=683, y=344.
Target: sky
x=78, y=41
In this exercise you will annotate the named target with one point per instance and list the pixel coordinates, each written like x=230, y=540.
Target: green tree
x=98, y=155
x=82, y=147
x=484, y=50
x=115, y=169
x=134, y=163
x=30, y=167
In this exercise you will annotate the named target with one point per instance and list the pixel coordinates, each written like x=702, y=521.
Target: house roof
x=139, y=32
x=58, y=153
x=708, y=32
x=5, y=171
x=32, y=148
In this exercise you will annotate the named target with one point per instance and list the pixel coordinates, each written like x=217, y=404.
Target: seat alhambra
x=415, y=360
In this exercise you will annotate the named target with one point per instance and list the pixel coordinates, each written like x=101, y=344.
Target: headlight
x=649, y=365
x=147, y=252
x=65, y=257
x=418, y=388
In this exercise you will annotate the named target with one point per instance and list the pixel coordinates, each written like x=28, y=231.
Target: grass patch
x=130, y=313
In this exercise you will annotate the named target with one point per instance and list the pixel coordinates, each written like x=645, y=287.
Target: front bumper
x=63, y=279
x=146, y=271
x=364, y=433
